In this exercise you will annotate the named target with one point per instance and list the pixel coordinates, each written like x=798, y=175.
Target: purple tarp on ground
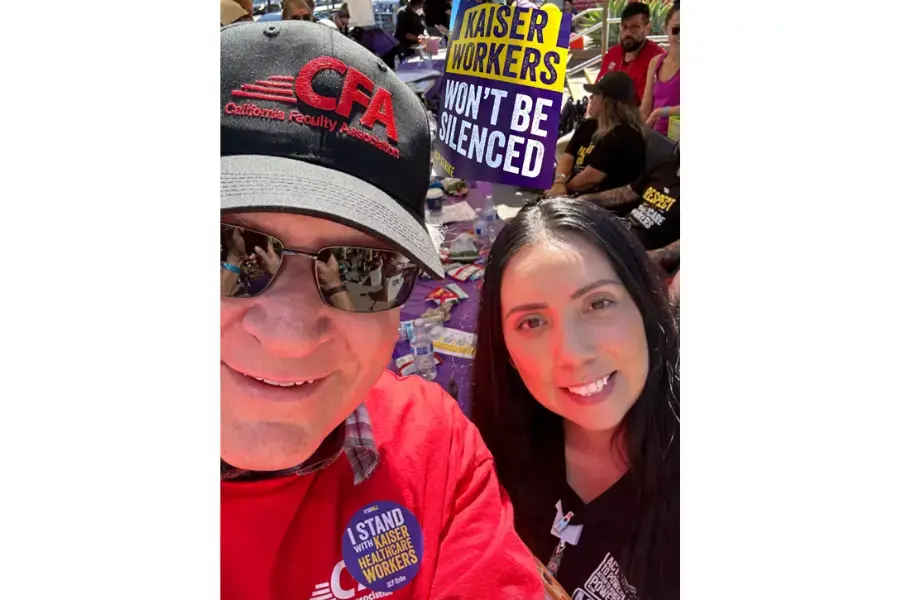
x=462, y=317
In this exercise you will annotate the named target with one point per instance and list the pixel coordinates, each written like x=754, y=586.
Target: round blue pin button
x=382, y=546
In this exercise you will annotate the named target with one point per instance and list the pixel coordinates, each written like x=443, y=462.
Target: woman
x=608, y=150
x=297, y=10
x=662, y=96
x=576, y=393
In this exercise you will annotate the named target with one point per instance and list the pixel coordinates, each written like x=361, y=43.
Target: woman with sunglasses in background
x=576, y=394
x=662, y=96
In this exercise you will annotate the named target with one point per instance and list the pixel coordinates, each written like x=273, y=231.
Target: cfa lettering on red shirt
x=636, y=69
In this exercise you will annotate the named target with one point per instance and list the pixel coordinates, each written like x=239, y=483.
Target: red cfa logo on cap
x=357, y=89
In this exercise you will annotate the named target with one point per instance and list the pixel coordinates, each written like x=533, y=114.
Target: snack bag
x=466, y=272
x=460, y=293
x=441, y=296
x=463, y=247
x=442, y=311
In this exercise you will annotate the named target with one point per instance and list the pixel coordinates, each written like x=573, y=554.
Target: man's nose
x=289, y=319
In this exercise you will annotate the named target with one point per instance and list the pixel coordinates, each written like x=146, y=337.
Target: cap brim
x=277, y=184
x=592, y=88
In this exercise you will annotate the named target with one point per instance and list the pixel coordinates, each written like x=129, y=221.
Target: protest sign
x=502, y=94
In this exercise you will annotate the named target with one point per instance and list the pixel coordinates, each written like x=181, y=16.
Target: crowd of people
x=620, y=157
x=570, y=459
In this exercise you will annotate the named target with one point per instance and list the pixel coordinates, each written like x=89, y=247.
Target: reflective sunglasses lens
x=364, y=280
x=249, y=261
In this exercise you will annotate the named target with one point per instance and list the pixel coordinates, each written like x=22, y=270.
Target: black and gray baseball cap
x=315, y=124
x=616, y=85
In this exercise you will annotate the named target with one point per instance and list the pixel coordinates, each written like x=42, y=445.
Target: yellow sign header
x=513, y=45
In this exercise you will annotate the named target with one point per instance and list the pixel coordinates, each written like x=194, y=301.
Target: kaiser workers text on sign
x=502, y=95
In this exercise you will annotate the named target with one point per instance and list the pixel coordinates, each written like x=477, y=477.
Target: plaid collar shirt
x=354, y=437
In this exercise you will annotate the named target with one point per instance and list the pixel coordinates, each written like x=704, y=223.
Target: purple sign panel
x=502, y=94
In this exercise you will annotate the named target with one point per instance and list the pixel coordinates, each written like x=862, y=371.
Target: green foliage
x=658, y=10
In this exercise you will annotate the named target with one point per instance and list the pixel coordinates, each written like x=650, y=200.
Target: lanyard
x=556, y=559
x=559, y=526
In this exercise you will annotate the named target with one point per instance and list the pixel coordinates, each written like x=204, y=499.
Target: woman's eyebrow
x=526, y=307
x=584, y=290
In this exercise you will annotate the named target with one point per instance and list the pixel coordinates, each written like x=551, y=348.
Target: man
x=630, y=56
x=410, y=29
x=297, y=10
x=234, y=12
x=656, y=219
x=339, y=479
x=633, y=52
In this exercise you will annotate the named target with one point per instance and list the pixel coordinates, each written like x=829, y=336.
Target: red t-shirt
x=636, y=69
x=282, y=538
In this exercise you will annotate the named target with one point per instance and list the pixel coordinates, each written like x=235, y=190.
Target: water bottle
x=423, y=350
x=482, y=235
x=433, y=324
x=491, y=218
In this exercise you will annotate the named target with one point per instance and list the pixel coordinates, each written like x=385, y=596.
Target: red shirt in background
x=282, y=538
x=636, y=69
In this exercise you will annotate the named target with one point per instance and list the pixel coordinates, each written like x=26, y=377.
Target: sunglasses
x=676, y=30
x=349, y=278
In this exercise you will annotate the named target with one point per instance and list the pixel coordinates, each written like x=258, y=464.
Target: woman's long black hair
x=522, y=434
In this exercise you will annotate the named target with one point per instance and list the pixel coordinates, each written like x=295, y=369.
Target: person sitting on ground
x=608, y=150
x=662, y=96
x=632, y=55
x=339, y=479
x=653, y=206
x=297, y=10
x=576, y=393
x=410, y=30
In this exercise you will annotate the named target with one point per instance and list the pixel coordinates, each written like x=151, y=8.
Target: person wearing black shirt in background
x=608, y=150
x=576, y=393
x=655, y=210
x=410, y=27
x=437, y=13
